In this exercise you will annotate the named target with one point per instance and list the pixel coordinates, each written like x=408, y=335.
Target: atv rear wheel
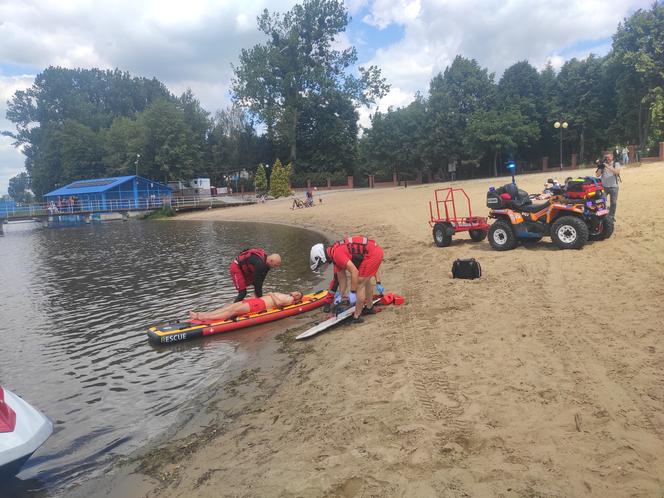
x=501, y=236
x=604, y=229
x=477, y=235
x=440, y=235
x=569, y=232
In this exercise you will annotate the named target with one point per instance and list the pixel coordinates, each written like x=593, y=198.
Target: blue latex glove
x=380, y=289
x=352, y=298
x=337, y=298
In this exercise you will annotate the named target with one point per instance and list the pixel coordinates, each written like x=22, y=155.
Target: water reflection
x=75, y=306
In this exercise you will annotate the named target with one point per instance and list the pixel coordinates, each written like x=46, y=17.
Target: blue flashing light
x=511, y=165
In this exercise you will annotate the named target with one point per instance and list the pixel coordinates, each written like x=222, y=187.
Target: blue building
x=110, y=194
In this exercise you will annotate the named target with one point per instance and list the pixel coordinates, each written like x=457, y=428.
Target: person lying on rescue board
x=253, y=305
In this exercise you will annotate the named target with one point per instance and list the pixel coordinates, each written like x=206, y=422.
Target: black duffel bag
x=466, y=268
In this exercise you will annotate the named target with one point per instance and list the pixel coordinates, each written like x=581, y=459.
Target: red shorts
x=371, y=262
x=237, y=277
x=256, y=304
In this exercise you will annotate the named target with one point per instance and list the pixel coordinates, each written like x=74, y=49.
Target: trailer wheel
x=440, y=235
x=477, y=235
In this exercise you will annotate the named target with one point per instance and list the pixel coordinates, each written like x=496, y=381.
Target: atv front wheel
x=440, y=235
x=604, y=229
x=569, y=232
x=477, y=235
x=501, y=236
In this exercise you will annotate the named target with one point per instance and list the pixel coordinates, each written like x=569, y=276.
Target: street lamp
x=267, y=174
x=563, y=126
x=138, y=156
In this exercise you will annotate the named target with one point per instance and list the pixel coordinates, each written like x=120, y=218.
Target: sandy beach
x=543, y=378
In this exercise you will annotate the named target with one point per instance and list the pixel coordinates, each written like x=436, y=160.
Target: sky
x=193, y=44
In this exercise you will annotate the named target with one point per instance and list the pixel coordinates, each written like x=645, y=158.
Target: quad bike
x=570, y=217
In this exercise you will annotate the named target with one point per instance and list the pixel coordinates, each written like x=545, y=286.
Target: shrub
x=260, y=180
x=279, y=180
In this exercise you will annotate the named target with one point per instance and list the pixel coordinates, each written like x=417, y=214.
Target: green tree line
x=296, y=97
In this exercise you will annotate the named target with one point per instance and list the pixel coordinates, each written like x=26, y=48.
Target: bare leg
x=343, y=283
x=361, y=295
x=224, y=313
x=369, y=292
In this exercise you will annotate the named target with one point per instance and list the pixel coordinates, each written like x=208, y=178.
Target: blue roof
x=96, y=185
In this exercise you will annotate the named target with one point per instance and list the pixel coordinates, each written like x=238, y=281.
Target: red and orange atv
x=571, y=217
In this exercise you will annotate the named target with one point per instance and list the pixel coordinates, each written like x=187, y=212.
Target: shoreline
x=522, y=382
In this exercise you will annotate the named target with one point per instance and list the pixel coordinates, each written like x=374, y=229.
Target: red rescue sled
x=180, y=331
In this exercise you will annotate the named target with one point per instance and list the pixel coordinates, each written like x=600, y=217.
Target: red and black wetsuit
x=249, y=268
x=363, y=253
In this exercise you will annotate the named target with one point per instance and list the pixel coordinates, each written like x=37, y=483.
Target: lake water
x=74, y=307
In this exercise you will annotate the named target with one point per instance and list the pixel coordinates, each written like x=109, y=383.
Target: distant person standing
x=609, y=172
x=625, y=156
x=250, y=268
x=451, y=169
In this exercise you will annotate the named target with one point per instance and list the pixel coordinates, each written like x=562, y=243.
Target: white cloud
x=385, y=12
x=497, y=33
x=11, y=158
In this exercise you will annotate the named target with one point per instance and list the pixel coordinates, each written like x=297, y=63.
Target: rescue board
x=181, y=331
x=330, y=322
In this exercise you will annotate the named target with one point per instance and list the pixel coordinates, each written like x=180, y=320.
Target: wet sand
x=543, y=378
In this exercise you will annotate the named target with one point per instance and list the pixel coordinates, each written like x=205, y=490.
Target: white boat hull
x=31, y=430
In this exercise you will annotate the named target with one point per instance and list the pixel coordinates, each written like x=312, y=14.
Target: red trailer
x=446, y=222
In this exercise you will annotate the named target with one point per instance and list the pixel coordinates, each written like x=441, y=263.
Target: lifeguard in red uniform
x=361, y=257
x=250, y=268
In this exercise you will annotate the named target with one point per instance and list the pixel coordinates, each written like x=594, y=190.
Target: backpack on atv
x=583, y=188
x=507, y=196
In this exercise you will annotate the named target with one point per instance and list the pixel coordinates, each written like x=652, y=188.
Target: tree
x=463, y=89
x=520, y=89
x=81, y=152
x=233, y=144
x=169, y=150
x=586, y=103
x=395, y=140
x=62, y=119
x=260, y=180
x=279, y=180
x=19, y=188
x=327, y=134
x=501, y=131
x=122, y=144
x=637, y=50
x=278, y=80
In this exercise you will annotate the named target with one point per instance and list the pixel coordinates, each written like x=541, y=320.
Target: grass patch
x=162, y=212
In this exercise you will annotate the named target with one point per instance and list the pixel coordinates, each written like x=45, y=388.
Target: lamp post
x=563, y=126
x=138, y=156
x=267, y=175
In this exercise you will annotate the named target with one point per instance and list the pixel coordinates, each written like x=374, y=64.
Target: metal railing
x=89, y=206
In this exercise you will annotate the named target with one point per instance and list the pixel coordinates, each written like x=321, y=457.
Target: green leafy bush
x=279, y=180
x=260, y=180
